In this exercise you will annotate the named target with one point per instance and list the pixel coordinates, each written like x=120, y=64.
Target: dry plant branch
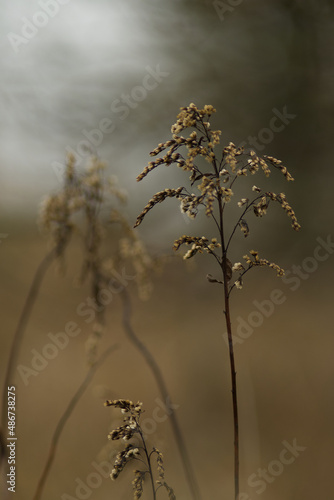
x=214, y=183
x=136, y=450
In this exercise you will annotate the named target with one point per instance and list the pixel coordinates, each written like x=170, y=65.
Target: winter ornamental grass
x=215, y=185
x=137, y=450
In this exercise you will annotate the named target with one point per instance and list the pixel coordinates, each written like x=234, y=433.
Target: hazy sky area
x=62, y=81
x=111, y=75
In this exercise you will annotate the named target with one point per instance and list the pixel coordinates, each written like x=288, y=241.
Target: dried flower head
x=256, y=261
x=81, y=206
x=131, y=426
x=137, y=483
x=215, y=181
x=161, y=471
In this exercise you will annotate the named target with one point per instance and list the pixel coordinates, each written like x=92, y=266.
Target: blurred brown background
x=251, y=61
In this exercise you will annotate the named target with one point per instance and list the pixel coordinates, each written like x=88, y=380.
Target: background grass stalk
x=155, y=369
x=16, y=342
x=64, y=418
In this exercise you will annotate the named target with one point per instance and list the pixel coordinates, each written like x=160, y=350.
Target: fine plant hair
x=137, y=450
x=214, y=180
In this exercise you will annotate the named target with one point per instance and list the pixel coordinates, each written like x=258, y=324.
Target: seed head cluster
x=79, y=207
x=131, y=427
x=161, y=472
x=80, y=193
x=126, y=431
x=254, y=260
x=198, y=244
x=214, y=180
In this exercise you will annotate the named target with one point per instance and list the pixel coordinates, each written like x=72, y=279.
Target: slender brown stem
x=233, y=377
x=153, y=365
x=234, y=393
x=64, y=418
x=226, y=279
x=148, y=458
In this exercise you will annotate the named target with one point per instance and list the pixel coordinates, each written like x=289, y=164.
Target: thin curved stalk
x=21, y=326
x=64, y=418
x=153, y=365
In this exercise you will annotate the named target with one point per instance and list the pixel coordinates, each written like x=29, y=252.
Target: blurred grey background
x=108, y=77
x=66, y=70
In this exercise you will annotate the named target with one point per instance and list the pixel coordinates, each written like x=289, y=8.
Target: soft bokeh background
x=248, y=60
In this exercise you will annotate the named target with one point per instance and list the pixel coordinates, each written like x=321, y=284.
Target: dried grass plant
x=131, y=430
x=216, y=179
x=79, y=208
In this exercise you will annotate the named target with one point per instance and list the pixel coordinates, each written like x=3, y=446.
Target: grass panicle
x=214, y=172
x=137, y=450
